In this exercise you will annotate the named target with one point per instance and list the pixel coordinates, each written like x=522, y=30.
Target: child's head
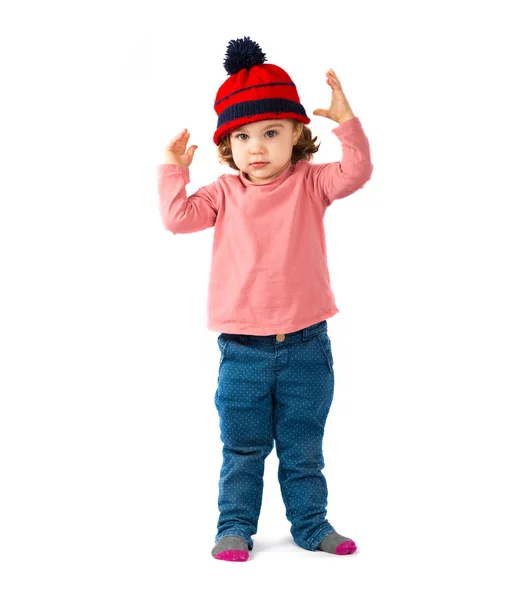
x=254, y=97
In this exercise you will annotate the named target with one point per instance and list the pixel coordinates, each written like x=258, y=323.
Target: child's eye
x=238, y=136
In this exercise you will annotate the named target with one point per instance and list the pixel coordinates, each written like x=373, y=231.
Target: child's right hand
x=176, y=152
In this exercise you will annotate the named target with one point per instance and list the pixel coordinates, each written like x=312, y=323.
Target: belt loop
x=243, y=338
x=312, y=330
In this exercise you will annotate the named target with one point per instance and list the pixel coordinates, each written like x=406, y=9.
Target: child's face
x=270, y=142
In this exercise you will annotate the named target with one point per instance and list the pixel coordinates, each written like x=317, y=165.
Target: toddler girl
x=269, y=290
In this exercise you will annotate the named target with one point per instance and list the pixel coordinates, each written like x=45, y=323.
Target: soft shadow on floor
x=276, y=544
x=280, y=544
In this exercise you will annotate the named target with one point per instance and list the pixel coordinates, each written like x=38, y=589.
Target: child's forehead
x=261, y=125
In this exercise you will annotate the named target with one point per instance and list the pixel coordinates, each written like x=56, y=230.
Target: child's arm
x=179, y=213
x=182, y=214
x=331, y=181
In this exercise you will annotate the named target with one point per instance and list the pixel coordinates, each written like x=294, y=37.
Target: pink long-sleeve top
x=269, y=271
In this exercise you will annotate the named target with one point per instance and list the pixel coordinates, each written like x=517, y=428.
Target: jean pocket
x=325, y=345
x=222, y=344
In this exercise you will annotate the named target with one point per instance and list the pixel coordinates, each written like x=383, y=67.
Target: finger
x=180, y=143
x=180, y=135
x=179, y=139
x=334, y=77
x=333, y=85
x=177, y=147
x=334, y=82
x=334, y=74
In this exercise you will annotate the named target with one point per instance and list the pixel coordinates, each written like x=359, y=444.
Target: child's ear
x=298, y=131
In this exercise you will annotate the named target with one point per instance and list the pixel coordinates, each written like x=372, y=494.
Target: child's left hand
x=340, y=110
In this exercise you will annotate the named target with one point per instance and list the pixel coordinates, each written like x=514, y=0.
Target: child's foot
x=231, y=547
x=337, y=544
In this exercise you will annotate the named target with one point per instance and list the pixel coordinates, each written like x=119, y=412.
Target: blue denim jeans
x=274, y=391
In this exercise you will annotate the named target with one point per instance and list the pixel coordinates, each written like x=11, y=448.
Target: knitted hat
x=254, y=91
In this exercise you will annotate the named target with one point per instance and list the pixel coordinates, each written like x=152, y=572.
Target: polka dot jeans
x=274, y=391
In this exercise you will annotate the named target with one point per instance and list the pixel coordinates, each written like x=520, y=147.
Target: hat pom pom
x=242, y=54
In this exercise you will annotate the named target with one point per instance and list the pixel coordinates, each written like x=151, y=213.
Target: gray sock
x=335, y=543
x=231, y=547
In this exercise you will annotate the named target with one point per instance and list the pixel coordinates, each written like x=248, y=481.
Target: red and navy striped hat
x=254, y=91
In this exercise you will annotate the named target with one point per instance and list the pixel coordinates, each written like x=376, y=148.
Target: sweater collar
x=270, y=184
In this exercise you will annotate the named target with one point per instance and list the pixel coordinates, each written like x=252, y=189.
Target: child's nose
x=257, y=147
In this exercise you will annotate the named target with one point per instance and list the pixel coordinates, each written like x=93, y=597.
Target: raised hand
x=339, y=110
x=176, y=152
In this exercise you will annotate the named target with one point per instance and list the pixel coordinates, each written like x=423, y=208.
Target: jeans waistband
x=301, y=335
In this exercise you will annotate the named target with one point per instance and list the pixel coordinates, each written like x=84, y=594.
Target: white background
x=109, y=439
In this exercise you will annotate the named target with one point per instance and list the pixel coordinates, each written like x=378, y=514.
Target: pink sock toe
x=233, y=555
x=347, y=547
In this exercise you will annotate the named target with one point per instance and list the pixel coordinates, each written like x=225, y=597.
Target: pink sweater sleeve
x=330, y=181
x=182, y=214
